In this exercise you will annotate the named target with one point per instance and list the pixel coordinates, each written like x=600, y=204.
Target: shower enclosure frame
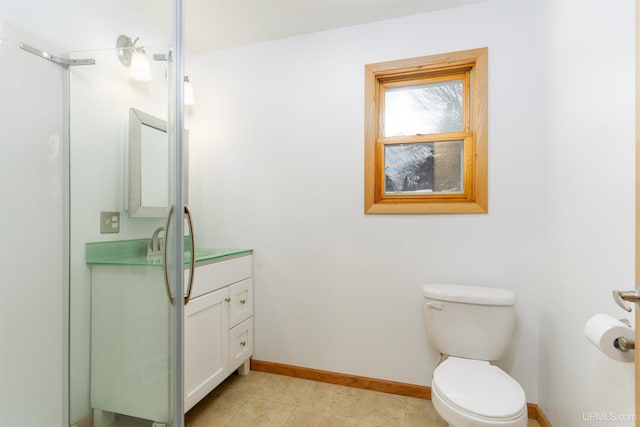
x=176, y=116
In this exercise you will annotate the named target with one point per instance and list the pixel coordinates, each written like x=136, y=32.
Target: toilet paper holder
x=615, y=338
x=623, y=344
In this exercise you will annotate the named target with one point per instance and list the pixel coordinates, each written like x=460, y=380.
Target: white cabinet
x=218, y=327
x=129, y=322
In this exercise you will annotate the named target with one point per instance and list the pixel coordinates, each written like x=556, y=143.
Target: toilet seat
x=475, y=390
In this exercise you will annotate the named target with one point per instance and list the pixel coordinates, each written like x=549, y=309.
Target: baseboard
x=355, y=381
x=385, y=386
x=542, y=418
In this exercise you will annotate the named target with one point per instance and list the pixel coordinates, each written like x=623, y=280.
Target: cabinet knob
x=227, y=299
x=243, y=343
x=243, y=301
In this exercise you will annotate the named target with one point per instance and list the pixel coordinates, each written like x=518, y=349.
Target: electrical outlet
x=109, y=222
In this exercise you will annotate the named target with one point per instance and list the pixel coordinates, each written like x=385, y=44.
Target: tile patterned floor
x=268, y=400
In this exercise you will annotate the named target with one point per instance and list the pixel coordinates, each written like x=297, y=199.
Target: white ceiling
x=73, y=25
x=219, y=24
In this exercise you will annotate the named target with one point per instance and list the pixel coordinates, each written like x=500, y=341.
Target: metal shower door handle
x=192, y=267
x=621, y=298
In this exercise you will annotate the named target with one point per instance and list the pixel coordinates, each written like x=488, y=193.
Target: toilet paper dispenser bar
x=623, y=344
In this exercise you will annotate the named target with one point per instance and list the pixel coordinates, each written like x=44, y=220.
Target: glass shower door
x=92, y=166
x=125, y=256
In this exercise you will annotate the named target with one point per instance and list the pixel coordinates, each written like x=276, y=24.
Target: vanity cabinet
x=218, y=327
x=130, y=317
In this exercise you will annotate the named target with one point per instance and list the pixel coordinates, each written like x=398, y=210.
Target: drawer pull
x=243, y=343
x=227, y=299
x=243, y=301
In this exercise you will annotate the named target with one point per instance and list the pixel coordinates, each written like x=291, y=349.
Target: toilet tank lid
x=469, y=294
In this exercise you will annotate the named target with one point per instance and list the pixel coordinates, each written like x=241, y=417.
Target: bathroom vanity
x=218, y=326
x=130, y=315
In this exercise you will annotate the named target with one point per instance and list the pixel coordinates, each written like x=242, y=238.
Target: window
x=426, y=134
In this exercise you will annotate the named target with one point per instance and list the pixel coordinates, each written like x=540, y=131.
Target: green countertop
x=134, y=253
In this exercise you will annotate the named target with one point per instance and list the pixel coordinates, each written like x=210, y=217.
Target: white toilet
x=473, y=325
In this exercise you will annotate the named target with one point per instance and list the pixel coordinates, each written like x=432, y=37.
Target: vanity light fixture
x=133, y=57
x=188, y=92
x=140, y=68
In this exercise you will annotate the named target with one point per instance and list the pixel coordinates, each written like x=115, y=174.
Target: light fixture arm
x=124, y=49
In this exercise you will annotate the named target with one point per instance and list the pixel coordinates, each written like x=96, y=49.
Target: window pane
x=423, y=109
x=430, y=167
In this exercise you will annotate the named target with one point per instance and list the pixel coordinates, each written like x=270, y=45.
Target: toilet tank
x=473, y=322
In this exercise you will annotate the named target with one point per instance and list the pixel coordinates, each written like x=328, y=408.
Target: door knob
x=620, y=297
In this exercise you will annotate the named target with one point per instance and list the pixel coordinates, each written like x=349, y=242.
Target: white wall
x=31, y=225
x=588, y=200
x=277, y=165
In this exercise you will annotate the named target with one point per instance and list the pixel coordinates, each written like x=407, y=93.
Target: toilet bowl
x=474, y=393
x=472, y=326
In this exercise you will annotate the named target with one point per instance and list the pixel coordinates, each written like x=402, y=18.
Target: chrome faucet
x=156, y=244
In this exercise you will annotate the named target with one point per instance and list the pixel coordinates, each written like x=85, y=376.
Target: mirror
x=149, y=166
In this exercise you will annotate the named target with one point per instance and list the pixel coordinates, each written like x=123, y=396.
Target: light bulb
x=140, y=68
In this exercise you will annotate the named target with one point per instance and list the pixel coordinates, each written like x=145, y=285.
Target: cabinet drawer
x=210, y=277
x=240, y=343
x=241, y=304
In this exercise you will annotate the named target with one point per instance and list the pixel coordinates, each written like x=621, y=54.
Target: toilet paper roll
x=602, y=330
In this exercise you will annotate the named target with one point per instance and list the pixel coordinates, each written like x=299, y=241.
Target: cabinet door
x=129, y=342
x=241, y=305
x=240, y=343
x=206, y=342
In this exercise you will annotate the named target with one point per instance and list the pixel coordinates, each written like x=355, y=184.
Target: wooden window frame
x=470, y=66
